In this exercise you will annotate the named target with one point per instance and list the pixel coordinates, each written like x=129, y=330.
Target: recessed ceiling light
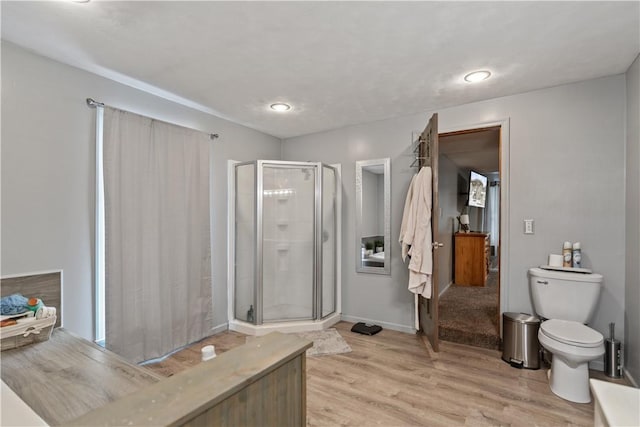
x=280, y=107
x=477, y=76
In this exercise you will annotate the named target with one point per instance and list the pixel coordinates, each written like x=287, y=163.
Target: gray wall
x=574, y=134
x=632, y=278
x=566, y=161
x=368, y=296
x=48, y=136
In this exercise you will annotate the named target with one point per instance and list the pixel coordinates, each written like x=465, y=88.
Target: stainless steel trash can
x=520, y=346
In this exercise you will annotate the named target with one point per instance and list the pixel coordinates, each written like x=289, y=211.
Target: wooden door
x=428, y=308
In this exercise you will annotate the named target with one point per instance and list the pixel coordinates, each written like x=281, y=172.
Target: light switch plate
x=528, y=226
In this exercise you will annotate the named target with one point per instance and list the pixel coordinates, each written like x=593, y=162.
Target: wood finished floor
x=393, y=379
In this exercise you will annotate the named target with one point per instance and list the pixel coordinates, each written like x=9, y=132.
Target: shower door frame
x=317, y=289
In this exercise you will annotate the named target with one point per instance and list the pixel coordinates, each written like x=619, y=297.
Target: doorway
x=470, y=217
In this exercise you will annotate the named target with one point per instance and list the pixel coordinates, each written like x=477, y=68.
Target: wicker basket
x=26, y=333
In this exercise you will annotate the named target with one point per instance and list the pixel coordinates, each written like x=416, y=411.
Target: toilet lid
x=572, y=333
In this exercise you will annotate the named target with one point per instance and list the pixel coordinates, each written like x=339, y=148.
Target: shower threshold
x=284, y=327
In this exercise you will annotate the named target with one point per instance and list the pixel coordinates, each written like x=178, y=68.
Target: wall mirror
x=373, y=216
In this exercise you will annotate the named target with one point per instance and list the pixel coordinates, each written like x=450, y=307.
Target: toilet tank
x=564, y=295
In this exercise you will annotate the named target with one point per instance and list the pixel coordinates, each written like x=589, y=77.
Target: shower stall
x=284, y=220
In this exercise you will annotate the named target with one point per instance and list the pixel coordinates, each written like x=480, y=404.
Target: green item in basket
x=34, y=304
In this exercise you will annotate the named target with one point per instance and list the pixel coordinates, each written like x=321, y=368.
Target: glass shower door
x=328, y=280
x=245, y=304
x=287, y=212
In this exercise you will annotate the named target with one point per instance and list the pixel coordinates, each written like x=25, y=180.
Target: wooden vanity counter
x=71, y=381
x=68, y=376
x=260, y=383
x=68, y=380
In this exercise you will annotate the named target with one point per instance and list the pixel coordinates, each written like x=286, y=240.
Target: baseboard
x=220, y=328
x=442, y=291
x=597, y=365
x=284, y=327
x=632, y=380
x=213, y=331
x=387, y=325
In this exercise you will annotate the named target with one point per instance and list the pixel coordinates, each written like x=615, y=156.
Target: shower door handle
x=437, y=245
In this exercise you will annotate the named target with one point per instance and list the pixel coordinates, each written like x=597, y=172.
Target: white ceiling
x=479, y=150
x=336, y=63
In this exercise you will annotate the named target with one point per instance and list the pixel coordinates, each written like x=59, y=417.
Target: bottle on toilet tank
x=566, y=254
x=576, y=260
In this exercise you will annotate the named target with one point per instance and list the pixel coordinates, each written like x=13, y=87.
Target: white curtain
x=494, y=214
x=157, y=230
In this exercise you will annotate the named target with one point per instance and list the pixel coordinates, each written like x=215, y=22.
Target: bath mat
x=326, y=342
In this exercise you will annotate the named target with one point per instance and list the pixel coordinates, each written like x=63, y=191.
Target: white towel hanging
x=416, y=236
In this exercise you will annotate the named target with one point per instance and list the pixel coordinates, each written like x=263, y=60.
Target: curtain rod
x=92, y=103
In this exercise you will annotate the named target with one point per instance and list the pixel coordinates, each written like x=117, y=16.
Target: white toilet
x=568, y=301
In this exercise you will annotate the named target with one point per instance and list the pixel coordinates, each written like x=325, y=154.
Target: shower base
x=284, y=327
x=273, y=313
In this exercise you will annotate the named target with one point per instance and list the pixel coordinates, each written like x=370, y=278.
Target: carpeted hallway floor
x=469, y=314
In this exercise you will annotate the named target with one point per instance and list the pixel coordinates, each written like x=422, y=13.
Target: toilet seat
x=572, y=333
